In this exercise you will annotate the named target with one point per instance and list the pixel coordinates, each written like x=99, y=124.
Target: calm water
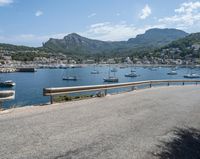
x=29, y=86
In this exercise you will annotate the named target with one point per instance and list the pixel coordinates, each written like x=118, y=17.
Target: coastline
x=9, y=69
x=49, y=105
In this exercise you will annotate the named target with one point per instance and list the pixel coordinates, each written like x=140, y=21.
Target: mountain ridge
x=75, y=43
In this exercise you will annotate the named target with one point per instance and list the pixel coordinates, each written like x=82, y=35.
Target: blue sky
x=31, y=22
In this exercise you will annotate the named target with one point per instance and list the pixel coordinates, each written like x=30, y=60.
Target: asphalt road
x=128, y=125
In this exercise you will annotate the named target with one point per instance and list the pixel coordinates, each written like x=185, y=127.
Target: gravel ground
x=129, y=125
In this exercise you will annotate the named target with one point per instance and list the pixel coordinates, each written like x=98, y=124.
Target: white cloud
x=92, y=15
x=102, y=31
x=186, y=16
x=146, y=11
x=114, y=32
x=5, y=2
x=38, y=13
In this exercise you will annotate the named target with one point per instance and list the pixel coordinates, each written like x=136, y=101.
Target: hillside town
x=60, y=60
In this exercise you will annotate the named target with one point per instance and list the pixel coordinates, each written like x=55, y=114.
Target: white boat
x=132, y=74
x=114, y=70
x=70, y=78
x=192, y=75
x=95, y=71
x=111, y=79
x=6, y=95
x=7, y=84
x=172, y=73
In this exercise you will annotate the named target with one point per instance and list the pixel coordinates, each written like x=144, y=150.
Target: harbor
x=29, y=85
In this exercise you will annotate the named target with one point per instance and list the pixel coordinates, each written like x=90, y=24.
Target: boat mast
x=109, y=71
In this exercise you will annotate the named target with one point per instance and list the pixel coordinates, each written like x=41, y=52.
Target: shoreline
x=46, y=105
x=6, y=69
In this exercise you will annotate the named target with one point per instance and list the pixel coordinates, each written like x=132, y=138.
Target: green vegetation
x=76, y=44
x=159, y=43
x=65, y=98
x=188, y=46
x=28, y=56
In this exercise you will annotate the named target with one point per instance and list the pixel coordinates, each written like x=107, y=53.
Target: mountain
x=157, y=37
x=10, y=47
x=189, y=45
x=76, y=44
x=188, y=41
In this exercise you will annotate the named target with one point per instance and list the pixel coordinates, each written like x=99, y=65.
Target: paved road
x=123, y=126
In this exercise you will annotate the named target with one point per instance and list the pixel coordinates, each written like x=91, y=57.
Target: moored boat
x=7, y=84
x=111, y=79
x=192, y=75
x=6, y=94
x=70, y=78
x=131, y=75
x=95, y=71
x=172, y=73
x=114, y=70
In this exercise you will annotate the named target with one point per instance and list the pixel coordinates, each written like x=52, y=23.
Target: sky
x=32, y=22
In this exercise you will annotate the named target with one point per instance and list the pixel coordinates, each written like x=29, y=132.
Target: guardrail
x=66, y=90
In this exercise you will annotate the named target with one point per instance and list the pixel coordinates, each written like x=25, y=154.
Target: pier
x=13, y=69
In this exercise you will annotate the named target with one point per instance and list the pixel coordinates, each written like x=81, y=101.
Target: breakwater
x=11, y=70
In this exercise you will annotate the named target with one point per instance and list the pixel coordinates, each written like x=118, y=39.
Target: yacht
x=132, y=74
x=70, y=78
x=111, y=78
x=95, y=71
x=192, y=75
x=173, y=72
x=114, y=70
x=7, y=84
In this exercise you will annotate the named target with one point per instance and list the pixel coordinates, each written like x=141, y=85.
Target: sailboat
x=111, y=78
x=132, y=74
x=132, y=70
x=192, y=75
x=114, y=70
x=172, y=72
x=70, y=78
x=95, y=71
